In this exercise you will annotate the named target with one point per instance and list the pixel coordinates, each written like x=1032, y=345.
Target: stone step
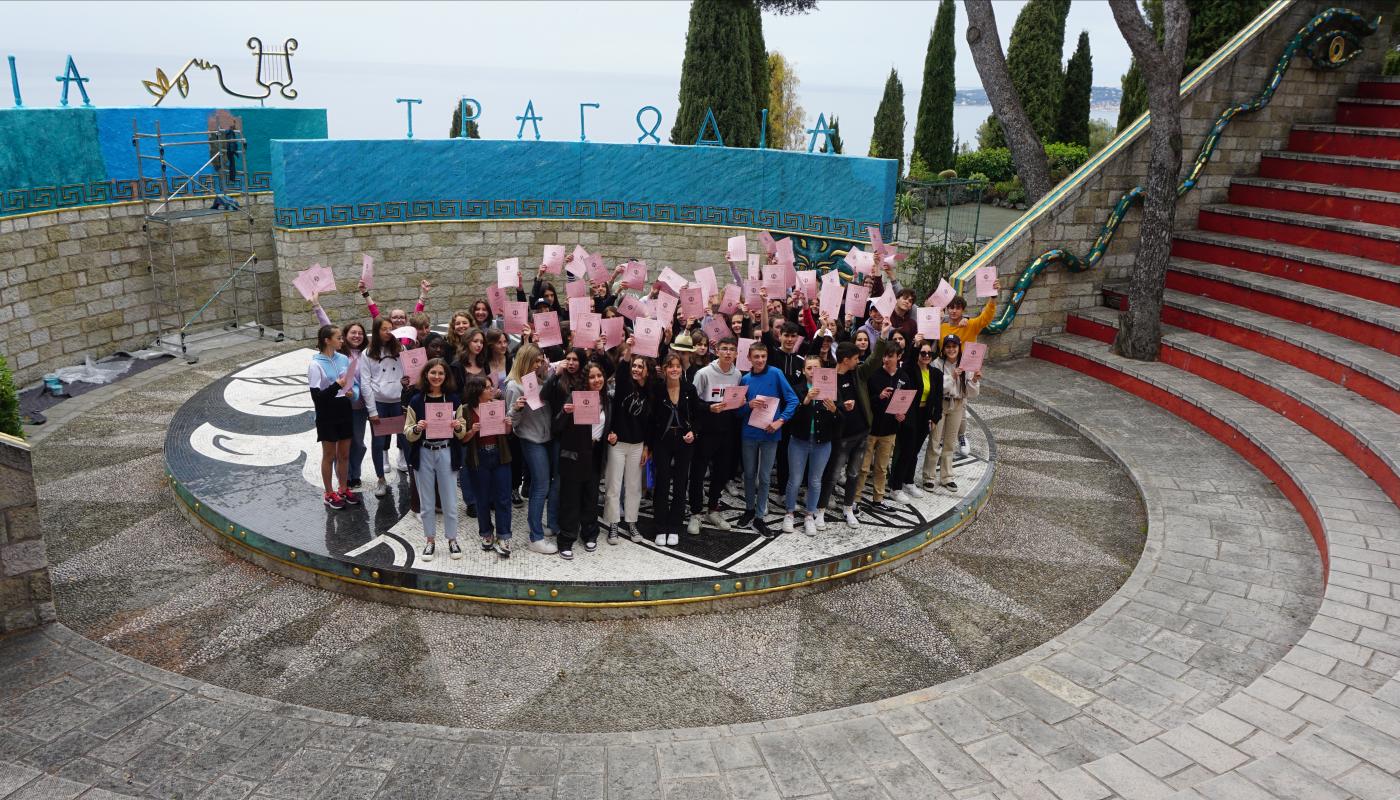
x=1369, y=372
x=1320, y=199
x=1345, y=140
x=1386, y=87
x=1364, y=239
x=1359, y=277
x=1340, y=170
x=1366, y=433
x=1373, y=111
x=1370, y=323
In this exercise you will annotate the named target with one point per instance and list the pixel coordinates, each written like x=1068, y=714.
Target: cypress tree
x=758, y=64
x=1073, y=123
x=1033, y=59
x=715, y=74
x=473, y=132
x=887, y=139
x=835, y=138
x=933, y=131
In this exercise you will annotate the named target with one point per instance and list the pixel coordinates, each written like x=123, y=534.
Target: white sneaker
x=544, y=546
x=913, y=491
x=787, y=523
x=899, y=496
x=673, y=539
x=809, y=526
x=381, y=488
x=851, y=516
x=717, y=521
x=963, y=447
x=660, y=540
x=401, y=463
x=821, y=520
x=693, y=527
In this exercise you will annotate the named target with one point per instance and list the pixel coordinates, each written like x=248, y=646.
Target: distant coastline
x=1099, y=97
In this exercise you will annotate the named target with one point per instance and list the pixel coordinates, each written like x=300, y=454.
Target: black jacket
x=812, y=421
x=670, y=422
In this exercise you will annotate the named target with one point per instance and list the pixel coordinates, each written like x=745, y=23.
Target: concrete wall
x=1074, y=219
x=26, y=595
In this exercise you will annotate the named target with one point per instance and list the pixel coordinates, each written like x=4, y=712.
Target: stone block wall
x=77, y=282
x=1306, y=95
x=26, y=595
x=460, y=259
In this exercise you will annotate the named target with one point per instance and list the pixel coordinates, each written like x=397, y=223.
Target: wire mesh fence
x=940, y=224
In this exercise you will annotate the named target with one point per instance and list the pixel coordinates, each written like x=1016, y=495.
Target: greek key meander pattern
x=33, y=199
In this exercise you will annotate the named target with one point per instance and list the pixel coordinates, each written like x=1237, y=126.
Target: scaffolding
x=222, y=182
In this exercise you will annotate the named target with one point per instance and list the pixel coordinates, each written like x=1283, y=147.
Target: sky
x=356, y=58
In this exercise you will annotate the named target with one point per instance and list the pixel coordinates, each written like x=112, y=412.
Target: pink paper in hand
x=576, y=288
x=413, y=362
x=941, y=296
x=367, y=271
x=773, y=280
x=387, y=426
x=580, y=305
x=973, y=355
x=900, y=401
x=692, y=305
x=553, y=262
x=807, y=283
x=752, y=299
x=832, y=291
x=885, y=302
x=314, y=280
x=492, y=416
x=587, y=407
x=631, y=308
x=877, y=242
x=734, y=397
x=597, y=270
x=586, y=328
x=634, y=275
x=716, y=329
x=860, y=261
x=673, y=280
x=708, y=285
x=439, y=419
x=547, y=328
x=762, y=416
x=765, y=240
x=782, y=252
x=729, y=303
x=516, y=316
x=354, y=369
x=824, y=380
x=738, y=247
x=508, y=273
x=928, y=323
x=986, y=280
x=646, y=334
x=665, y=309
x=856, y=298
x=496, y=298
x=613, y=331
x=578, y=265
x=743, y=361
x=531, y=385
x=755, y=270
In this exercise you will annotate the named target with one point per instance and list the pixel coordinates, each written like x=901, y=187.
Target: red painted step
x=1339, y=202
x=1363, y=173
x=1314, y=271
x=1342, y=140
x=1381, y=89
x=1379, y=113
x=1298, y=229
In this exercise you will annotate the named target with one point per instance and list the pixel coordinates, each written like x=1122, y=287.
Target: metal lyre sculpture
x=274, y=69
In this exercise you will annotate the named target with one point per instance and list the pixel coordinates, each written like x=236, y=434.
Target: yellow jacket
x=968, y=328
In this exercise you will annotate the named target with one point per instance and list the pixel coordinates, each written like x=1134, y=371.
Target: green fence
x=940, y=224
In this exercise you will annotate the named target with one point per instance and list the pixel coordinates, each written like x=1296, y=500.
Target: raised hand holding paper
x=856, y=298
x=647, y=336
x=860, y=260
x=738, y=247
x=531, y=385
x=773, y=280
x=824, y=380
x=634, y=275
x=900, y=401
x=547, y=328
x=586, y=327
x=578, y=265
x=885, y=302
x=941, y=296
x=928, y=321
x=974, y=353
x=314, y=280
x=986, y=282
x=439, y=419
x=586, y=407
x=597, y=270
x=729, y=303
x=492, y=416
x=631, y=308
x=496, y=298
x=877, y=242
x=665, y=309
x=672, y=279
x=706, y=278
x=762, y=416
x=807, y=283
x=516, y=316
x=755, y=271
x=715, y=328
x=413, y=362
x=553, y=259
x=367, y=272
x=831, y=294
x=692, y=303
x=508, y=273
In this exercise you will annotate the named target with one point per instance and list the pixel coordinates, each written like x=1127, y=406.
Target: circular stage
x=243, y=460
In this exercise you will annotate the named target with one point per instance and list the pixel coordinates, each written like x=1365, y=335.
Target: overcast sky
x=355, y=58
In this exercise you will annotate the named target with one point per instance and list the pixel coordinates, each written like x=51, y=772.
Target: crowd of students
x=577, y=419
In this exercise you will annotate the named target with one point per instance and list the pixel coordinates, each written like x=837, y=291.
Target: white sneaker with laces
x=913, y=491
x=821, y=520
x=693, y=527
x=899, y=496
x=787, y=523
x=673, y=539
x=660, y=540
x=963, y=447
x=544, y=546
x=401, y=463
x=809, y=526
x=381, y=488
x=717, y=521
x=851, y=516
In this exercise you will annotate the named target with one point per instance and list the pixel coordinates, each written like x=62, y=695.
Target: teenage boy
x=965, y=329
x=879, y=446
x=760, y=445
x=853, y=393
x=783, y=356
x=714, y=440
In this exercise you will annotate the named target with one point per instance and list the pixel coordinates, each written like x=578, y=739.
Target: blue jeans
x=758, y=469
x=359, y=419
x=490, y=481
x=806, y=455
x=542, y=462
x=380, y=444
x=434, y=480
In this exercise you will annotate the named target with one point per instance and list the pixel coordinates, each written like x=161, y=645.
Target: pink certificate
x=576, y=288
x=492, y=416
x=586, y=327
x=516, y=316
x=665, y=309
x=496, y=298
x=531, y=385
x=672, y=279
x=553, y=259
x=860, y=260
x=928, y=322
x=729, y=303
x=587, y=408
x=773, y=275
x=508, y=273
x=941, y=296
x=578, y=265
x=580, y=305
x=367, y=271
x=856, y=298
x=613, y=331
x=715, y=328
x=744, y=345
x=986, y=280
x=647, y=336
x=547, y=328
x=597, y=270
x=708, y=285
x=807, y=283
x=752, y=299
x=387, y=426
x=755, y=270
x=738, y=247
x=885, y=302
x=413, y=361
x=900, y=401
x=832, y=291
x=783, y=251
x=634, y=275
x=765, y=239
x=439, y=419
x=762, y=416
x=877, y=242
x=731, y=397
x=824, y=380
x=692, y=303
x=974, y=353
x=631, y=308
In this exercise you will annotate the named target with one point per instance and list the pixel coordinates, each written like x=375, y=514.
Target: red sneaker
x=349, y=497
x=333, y=500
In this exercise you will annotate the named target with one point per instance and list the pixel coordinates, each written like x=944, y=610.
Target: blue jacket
x=768, y=383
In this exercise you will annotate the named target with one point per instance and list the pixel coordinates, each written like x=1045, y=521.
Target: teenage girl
x=815, y=425
x=533, y=430
x=333, y=389
x=382, y=381
x=627, y=425
x=435, y=462
x=488, y=469
x=353, y=346
x=580, y=453
x=958, y=388
x=671, y=437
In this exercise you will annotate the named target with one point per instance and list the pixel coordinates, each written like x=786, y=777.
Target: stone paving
x=1213, y=673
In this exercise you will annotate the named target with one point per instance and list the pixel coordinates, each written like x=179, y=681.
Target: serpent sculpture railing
x=1329, y=40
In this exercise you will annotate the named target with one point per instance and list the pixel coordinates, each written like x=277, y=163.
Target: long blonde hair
x=524, y=361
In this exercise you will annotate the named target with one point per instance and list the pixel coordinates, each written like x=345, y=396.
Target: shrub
x=1065, y=158
x=907, y=206
x=948, y=175
x=918, y=169
x=9, y=402
x=995, y=163
x=930, y=263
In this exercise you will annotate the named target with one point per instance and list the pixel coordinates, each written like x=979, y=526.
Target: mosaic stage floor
x=243, y=456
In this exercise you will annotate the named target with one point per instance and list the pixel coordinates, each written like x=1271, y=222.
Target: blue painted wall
x=343, y=182
x=53, y=158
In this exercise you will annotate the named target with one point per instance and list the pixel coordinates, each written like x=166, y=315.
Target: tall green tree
x=784, y=114
x=834, y=140
x=887, y=139
x=758, y=61
x=1072, y=124
x=933, y=130
x=473, y=132
x=1027, y=151
x=9, y=402
x=1033, y=59
x=716, y=73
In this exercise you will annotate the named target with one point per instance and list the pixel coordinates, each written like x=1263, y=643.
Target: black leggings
x=670, y=474
x=578, y=509
x=714, y=451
